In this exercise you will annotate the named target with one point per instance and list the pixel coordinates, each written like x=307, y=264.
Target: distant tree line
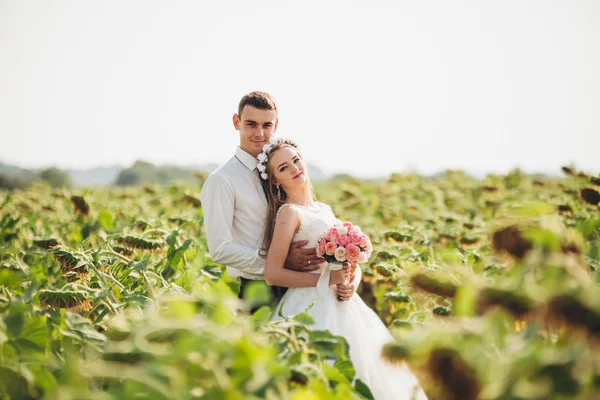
x=143, y=173
x=53, y=176
x=140, y=173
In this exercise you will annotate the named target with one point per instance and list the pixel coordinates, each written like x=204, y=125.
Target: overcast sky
x=365, y=87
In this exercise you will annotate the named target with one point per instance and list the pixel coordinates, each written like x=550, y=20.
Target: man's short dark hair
x=260, y=100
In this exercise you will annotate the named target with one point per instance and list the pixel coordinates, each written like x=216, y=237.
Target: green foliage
x=12, y=177
x=55, y=177
x=113, y=293
x=471, y=274
x=144, y=173
x=491, y=288
x=13, y=182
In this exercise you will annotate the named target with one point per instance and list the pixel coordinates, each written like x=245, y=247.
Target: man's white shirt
x=235, y=212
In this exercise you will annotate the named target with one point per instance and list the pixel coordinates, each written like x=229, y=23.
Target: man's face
x=256, y=128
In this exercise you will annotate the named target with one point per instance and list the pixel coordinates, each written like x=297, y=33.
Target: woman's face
x=287, y=168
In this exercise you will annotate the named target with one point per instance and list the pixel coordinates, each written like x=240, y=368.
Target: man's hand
x=302, y=260
x=344, y=292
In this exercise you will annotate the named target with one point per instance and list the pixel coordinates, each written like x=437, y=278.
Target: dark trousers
x=277, y=293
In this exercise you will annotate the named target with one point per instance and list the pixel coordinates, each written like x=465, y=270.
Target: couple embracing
x=263, y=222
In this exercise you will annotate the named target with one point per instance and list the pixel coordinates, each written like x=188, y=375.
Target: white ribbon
x=323, y=282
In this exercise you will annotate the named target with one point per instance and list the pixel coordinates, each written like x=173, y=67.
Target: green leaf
x=257, y=293
x=543, y=238
x=14, y=322
x=333, y=374
x=177, y=256
x=385, y=256
x=465, y=300
x=34, y=331
x=140, y=265
x=346, y=368
x=172, y=239
x=589, y=227
x=304, y=318
x=363, y=390
x=10, y=277
x=441, y=311
x=44, y=379
x=394, y=352
x=13, y=384
x=328, y=345
x=398, y=297
x=261, y=317
x=398, y=236
x=9, y=353
x=105, y=220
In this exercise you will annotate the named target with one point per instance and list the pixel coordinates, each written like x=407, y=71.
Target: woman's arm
x=286, y=225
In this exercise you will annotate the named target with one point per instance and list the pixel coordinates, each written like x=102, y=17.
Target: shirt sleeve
x=218, y=205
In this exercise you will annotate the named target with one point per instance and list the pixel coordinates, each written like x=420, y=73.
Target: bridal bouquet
x=344, y=242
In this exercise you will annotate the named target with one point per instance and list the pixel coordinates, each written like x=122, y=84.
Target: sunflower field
x=490, y=288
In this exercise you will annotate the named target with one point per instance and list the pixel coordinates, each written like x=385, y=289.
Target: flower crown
x=263, y=157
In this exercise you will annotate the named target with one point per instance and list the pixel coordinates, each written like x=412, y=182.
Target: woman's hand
x=340, y=275
x=344, y=292
x=352, y=272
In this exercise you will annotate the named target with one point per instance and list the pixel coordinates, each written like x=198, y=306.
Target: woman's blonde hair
x=276, y=197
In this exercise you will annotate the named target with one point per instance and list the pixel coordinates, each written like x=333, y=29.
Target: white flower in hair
x=263, y=157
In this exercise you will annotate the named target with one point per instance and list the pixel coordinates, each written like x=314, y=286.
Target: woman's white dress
x=352, y=319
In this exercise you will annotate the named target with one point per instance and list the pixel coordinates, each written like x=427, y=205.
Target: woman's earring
x=279, y=192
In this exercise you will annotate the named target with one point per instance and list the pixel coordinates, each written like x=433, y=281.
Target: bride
x=294, y=215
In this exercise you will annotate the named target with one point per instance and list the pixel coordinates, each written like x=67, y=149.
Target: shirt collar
x=247, y=159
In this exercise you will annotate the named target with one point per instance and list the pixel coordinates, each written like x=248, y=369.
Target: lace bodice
x=314, y=220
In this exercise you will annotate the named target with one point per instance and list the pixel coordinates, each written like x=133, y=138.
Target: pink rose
x=352, y=253
x=321, y=248
x=348, y=225
x=319, y=252
x=363, y=258
x=340, y=254
x=343, y=240
x=341, y=230
x=354, y=237
x=332, y=235
x=364, y=240
x=330, y=248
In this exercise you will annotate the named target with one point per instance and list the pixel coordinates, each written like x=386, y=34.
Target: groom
x=235, y=206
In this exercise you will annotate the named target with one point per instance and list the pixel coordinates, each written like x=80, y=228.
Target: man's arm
x=302, y=260
x=218, y=204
